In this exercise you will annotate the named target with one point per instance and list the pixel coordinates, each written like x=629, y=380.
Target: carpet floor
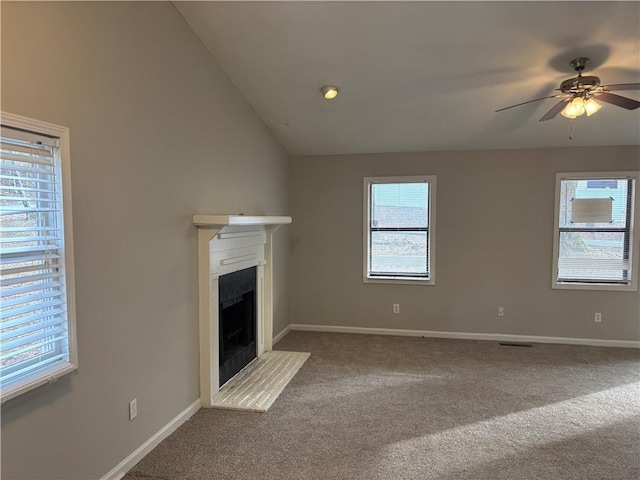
x=368, y=407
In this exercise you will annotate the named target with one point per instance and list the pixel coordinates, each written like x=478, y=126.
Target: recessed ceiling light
x=329, y=92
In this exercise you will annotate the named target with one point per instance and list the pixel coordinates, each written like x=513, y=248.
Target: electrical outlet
x=598, y=317
x=133, y=409
x=396, y=308
x=501, y=311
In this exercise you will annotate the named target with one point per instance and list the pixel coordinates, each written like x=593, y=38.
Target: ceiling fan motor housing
x=580, y=84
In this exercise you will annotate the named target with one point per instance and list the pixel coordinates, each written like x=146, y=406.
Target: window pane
x=592, y=256
x=399, y=252
x=570, y=190
x=399, y=205
x=602, y=184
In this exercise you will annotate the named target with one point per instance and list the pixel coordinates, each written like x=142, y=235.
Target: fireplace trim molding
x=227, y=243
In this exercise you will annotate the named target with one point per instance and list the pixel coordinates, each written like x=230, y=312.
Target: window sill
x=603, y=287
x=400, y=281
x=23, y=386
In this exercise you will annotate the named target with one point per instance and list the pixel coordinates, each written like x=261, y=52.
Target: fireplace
x=228, y=244
x=237, y=322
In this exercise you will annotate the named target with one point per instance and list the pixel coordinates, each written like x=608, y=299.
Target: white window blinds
x=34, y=335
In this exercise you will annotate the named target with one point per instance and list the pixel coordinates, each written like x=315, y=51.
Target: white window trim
x=634, y=240
x=49, y=376
x=431, y=246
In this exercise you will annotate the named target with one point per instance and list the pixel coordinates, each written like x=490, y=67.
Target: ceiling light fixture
x=591, y=106
x=574, y=108
x=579, y=105
x=329, y=92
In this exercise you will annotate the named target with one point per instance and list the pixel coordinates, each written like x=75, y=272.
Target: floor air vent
x=515, y=344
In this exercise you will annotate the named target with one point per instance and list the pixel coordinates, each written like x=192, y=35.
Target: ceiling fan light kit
x=578, y=106
x=579, y=93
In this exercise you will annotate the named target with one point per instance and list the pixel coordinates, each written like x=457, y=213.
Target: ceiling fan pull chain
x=571, y=129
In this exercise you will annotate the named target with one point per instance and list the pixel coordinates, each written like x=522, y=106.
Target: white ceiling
x=422, y=76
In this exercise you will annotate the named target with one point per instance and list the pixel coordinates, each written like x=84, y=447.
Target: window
x=595, y=246
x=399, y=229
x=37, y=326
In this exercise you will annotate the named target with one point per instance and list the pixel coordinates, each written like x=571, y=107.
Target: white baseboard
x=279, y=336
x=120, y=470
x=499, y=337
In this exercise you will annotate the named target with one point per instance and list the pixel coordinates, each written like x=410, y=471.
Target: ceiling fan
x=579, y=93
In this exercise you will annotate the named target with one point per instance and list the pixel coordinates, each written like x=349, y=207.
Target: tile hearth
x=259, y=384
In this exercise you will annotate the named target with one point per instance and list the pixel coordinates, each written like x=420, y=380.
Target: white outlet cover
x=133, y=409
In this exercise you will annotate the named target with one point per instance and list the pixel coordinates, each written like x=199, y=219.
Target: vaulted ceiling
x=422, y=76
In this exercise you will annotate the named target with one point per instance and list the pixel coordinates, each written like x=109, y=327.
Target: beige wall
x=158, y=133
x=494, y=246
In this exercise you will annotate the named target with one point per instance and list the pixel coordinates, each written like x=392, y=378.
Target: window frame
x=634, y=236
x=431, y=230
x=63, y=165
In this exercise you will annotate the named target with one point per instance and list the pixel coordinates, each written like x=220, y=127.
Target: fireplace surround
x=227, y=244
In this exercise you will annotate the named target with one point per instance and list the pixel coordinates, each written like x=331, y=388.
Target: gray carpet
x=368, y=407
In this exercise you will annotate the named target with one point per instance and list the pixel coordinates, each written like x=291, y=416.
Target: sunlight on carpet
x=514, y=433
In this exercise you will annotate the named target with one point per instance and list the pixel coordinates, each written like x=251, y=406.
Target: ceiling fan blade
x=530, y=101
x=621, y=86
x=617, y=100
x=555, y=110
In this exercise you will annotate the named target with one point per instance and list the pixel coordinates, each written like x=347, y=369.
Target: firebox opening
x=237, y=322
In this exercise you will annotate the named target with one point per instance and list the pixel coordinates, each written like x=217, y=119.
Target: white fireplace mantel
x=219, y=221
x=228, y=243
